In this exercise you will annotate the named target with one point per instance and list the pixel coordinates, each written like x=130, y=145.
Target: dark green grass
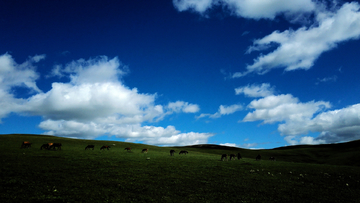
x=75, y=175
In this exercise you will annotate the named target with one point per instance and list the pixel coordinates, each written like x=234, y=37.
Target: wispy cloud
x=254, y=90
x=327, y=79
x=267, y=9
x=223, y=110
x=298, y=49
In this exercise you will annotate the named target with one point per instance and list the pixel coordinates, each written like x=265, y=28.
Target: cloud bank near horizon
x=93, y=103
x=296, y=119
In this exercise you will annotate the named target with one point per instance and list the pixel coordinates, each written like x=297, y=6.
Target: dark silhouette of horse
x=172, y=152
x=258, y=157
x=90, y=146
x=183, y=152
x=272, y=158
x=25, y=144
x=127, y=149
x=46, y=146
x=224, y=156
x=239, y=156
x=56, y=145
x=144, y=151
x=232, y=156
x=105, y=147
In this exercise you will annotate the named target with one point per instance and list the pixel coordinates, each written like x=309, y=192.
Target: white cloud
x=327, y=79
x=12, y=76
x=228, y=144
x=196, y=5
x=93, y=103
x=255, y=9
x=18, y=75
x=181, y=106
x=283, y=108
x=294, y=140
x=300, y=48
x=223, y=110
x=269, y=9
x=255, y=90
x=297, y=119
x=333, y=126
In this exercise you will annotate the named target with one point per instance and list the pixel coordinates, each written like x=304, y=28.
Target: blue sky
x=245, y=73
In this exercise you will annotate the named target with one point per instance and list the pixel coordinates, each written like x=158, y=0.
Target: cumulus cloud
x=298, y=49
x=255, y=9
x=283, y=107
x=253, y=90
x=223, y=110
x=333, y=126
x=296, y=119
x=14, y=75
x=94, y=103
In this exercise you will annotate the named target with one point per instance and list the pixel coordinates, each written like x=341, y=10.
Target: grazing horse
x=239, y=156
x=224, y=156
x=183, y=152
x=232, y=156
x=90, y=146
x=127, y=149
x=55, y=145
x=25, y=144
x=46, y=146
x=105, y=147
x=144, y=151
x=272, y=158
x=172, y=152
x=258, y=157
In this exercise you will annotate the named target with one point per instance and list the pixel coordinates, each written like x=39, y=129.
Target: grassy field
x=324, y=173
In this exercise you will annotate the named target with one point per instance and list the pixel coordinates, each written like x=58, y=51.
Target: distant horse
x=272, y=158
x=183, y=152
x=239, y=156
x=127, y=149
x=258, y=157
x=172, y=152
x=46, y=146
x=224, y=156
x=232, y=156
x=105, y=147
x=25, y=144
x=144, y=151
x=90, y=146
x=56, y=145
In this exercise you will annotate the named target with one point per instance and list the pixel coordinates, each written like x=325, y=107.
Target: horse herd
x=27, y=144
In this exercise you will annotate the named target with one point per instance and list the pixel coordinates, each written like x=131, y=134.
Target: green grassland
x=322, y=173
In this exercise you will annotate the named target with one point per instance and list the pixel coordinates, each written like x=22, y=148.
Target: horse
x=25, y=144
x=258, y=157
x=272, y=158
x=55, y=145
x=224, y=156
x=127, y=149
x=183, y=152
x=239, y=156
x=232, y=156
x=172, y=152
x=90, y=147
x=144, y=151
x=105, y=147
x=46, y=146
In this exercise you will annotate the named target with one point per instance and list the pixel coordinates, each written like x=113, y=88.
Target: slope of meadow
x=74, y=174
